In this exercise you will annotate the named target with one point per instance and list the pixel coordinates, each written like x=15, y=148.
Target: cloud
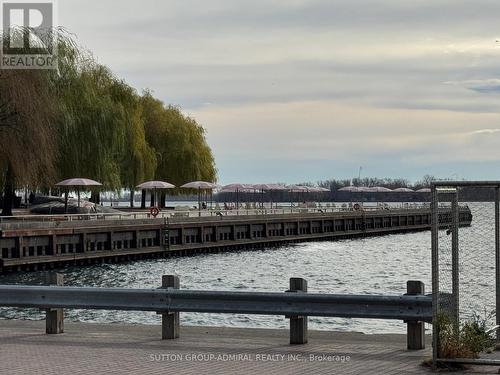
x=484, y=131
x=400, y=85
x=485, y=86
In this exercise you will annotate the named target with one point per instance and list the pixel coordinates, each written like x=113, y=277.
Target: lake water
x=377, y=265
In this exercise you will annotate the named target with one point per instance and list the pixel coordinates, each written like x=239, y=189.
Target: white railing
x=194, y=213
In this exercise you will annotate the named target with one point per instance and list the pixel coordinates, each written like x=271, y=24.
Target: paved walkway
x=136, y=349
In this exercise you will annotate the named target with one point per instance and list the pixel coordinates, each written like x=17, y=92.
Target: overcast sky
x=303, y=90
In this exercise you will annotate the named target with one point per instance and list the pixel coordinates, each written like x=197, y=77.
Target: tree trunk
x=95, y=197
x=132, y=198
x=163, y=195
x=8, y=193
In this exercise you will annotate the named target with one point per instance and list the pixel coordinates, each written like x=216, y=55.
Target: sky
x=307, y=90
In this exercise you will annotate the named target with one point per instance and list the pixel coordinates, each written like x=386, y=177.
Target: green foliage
x=83, y=121
x=26, y=123
x=465, y=340
x=178, y=142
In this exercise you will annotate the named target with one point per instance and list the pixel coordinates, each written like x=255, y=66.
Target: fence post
x=298, y=324
x=170, y=322
x=415, y=332
x=54, y=318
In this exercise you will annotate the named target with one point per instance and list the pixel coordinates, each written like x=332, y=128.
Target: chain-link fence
x=465, y=246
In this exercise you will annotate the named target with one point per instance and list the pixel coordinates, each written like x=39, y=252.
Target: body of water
x=376, y=265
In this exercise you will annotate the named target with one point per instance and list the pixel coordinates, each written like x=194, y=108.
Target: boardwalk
x=137, y=349
x=49, y=244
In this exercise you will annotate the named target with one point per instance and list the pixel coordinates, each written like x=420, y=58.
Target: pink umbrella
x=153, y=185
x=271, y=188
x=236, y=188
x=199, y=185
x=424, y=190
x=277, y=187
x=379, y=189
x=404, y=190
x=76, y=182
x=352, y=189
x=263, y=188
x=296, y=189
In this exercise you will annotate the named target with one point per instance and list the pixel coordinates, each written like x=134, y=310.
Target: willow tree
x=91, y=127
x=179, y=142
x=138, y=162
x=81, y=120
x=27, y=144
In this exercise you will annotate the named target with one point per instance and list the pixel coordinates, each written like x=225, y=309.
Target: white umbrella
x=236, y=188
x=379, y=189
x=199, y=185
x=76, y=182
x=296, y=189
x=277, y=187
x=404, y=190
x=352, y=189
x=424, y=190
x=271, y=188
x=263, y=188
x=153, y=185
x=202, y=185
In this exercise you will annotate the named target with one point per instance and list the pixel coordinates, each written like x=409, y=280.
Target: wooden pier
x=33, y=245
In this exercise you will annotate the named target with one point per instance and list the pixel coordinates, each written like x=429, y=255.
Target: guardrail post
x=54, y=318
x=298, y=324
x=170, y=321
x=415, y=332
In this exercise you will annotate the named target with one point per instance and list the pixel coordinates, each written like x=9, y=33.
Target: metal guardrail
x=175, y=300
x=414, y=308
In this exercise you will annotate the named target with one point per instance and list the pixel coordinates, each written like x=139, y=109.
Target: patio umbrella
x=153, y=185
x=76, y=182
x=296, y=189
x=236, y=188
x=277, y=187
x=379, y=189
x=424, y=190
x=262, y=188
x=199, y=185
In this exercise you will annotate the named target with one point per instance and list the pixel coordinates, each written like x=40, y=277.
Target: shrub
x=464, y=340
